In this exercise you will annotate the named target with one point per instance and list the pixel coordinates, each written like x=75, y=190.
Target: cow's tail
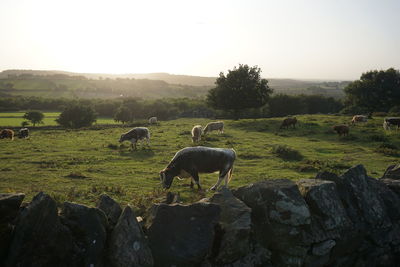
x=230, y=174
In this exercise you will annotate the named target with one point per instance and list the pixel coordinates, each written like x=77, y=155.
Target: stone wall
x=347, y=220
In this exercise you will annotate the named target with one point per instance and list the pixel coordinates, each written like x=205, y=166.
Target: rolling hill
x=151, y=85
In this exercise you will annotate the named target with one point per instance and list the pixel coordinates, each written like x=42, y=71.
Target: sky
x=301, y=39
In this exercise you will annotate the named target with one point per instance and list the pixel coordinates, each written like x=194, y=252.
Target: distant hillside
x=161, y=84
x=169, y=78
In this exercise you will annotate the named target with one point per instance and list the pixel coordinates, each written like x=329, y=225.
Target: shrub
x=388, y=145
x=379, y=114
x=286, y=152
x=388, y=149
x=378, y=138
x=249, y=156
x=394, y=111
x=77, y=116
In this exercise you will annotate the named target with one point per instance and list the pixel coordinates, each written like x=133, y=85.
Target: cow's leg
x=223, y=174
x=191, y=183
x=195, y=177
x=220, y=178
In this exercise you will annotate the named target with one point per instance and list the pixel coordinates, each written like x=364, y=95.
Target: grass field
x=79, y=165
x=14, y=119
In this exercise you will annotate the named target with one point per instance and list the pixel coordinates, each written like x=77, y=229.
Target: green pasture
x=79, y=165
x=14, y=119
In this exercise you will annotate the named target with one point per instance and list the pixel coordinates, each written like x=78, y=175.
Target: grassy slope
x=44, y=162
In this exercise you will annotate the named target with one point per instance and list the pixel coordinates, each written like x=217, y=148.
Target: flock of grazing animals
x=191, y=161
x=9, y=134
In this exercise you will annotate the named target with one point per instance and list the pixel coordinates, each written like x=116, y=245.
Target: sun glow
x=298, y=39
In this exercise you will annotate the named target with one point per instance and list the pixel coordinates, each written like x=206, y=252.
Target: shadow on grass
x=140, y=153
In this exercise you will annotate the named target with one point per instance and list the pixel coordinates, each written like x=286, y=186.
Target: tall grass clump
x=286, y=153
x=388, y=149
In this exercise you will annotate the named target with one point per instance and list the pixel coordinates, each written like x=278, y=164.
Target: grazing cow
x=359, y=118
x=213, y=126
x=136, y=134
x=7, y=133
x=23, y=133
x=196, y=133
x=287, y=122
x=341, y=129
x=191, y=161
x=153, y=120
x=392, y=121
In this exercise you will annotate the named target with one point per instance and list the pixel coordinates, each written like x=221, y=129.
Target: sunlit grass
x=79, y=165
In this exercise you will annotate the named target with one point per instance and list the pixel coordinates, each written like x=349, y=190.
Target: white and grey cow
x=191, y=161
x=197, y=130
x=153, y=120
x=214, y=126
x=135, y=135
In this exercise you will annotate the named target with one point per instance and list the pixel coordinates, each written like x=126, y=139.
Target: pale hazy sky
x=320, y=39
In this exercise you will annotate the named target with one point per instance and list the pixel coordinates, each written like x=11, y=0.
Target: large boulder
x=279, y=216
x=394, y=185
x=392, y=172
x=374, y=211
x=88, y=227
x=328, y=212
x=128, y=245
x=329, y=220
x=39, y=238
x=9, y=207
x=111, y=209
x=235, y=223
x=182, y=235
x=363, y=204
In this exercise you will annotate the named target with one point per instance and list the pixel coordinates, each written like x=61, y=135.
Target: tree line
x=241, y=93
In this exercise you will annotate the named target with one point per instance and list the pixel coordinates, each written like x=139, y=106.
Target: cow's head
x=166, y=177
x=122, y=138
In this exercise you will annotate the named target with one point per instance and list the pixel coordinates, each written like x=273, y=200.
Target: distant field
x=79, y=165
x=15, y=119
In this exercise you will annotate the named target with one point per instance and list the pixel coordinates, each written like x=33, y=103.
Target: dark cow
x=23, y=133
x=341, y=129
x=289, y=121
x=392, y=121
x=7, y=133
x=191, y=161
x=136, y=134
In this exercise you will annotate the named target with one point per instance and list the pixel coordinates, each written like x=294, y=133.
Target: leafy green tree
x=76, y=116
x=34, y=117
x=123, y=115
x=375, y=90
x=240, y=89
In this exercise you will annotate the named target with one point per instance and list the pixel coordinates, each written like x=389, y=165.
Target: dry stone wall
x=347, y=220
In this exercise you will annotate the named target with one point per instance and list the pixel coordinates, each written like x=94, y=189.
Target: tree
x=240, y=89
x=375, y=90
x=76, y=116
x=34, y=117
x=123, y=115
